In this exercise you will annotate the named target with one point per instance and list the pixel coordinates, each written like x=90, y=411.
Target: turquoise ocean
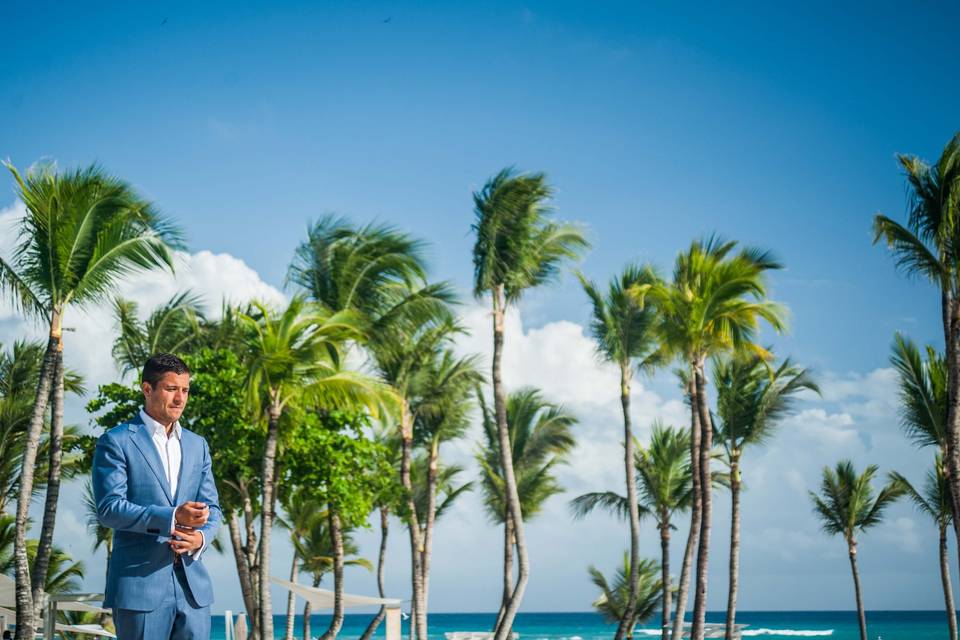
x=837, y=625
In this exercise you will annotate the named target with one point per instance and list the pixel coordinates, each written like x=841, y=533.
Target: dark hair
x=162, y=363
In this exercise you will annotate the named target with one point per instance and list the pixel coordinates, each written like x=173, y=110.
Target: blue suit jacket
x=133, y=498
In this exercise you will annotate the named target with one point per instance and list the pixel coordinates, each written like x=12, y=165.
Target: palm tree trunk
x=631, y=475
x=41, y=562
x=665, y=575
x=430, y=520
x=734, y=544
x=507, y=568
x=418, y=618
x=693, y=536
x=381, y=559
x=266, y=521
x=243, y=568
x=307, y=612
x=951, y=335
x=861, y=617
x=506, y=460
x=291, y=599
x=336, y=537
x=947, y=585
x=706, y=488
x=24, y=596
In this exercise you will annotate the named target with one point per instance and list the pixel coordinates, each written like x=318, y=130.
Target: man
x=153, y=485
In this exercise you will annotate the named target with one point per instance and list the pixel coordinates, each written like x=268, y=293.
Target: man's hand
x=192, y=514
x=184, y=539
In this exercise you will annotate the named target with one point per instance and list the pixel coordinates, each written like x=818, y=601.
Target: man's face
x=165, y=401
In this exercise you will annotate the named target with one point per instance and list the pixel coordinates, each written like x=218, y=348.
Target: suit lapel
x=186, y=462
x=144, y=441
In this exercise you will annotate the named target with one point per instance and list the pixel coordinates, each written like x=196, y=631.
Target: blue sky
x=774, y=125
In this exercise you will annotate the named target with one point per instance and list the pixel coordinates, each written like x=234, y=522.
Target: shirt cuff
x=203, y=547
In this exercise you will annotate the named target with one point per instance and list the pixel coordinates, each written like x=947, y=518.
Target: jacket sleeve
x=207, y=493
x=110, y=493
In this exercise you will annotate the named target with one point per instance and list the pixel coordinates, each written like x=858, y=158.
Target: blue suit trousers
x=177, y=616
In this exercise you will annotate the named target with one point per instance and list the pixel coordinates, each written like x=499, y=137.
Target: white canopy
x=89, y=629
x=323, y=599
x=8, y=599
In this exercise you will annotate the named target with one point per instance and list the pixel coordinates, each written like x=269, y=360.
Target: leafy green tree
x=847, y=506
x=928, y=246
x=614, y=596
x=518, y=247
x=540, y=438
x=83, y=233
x=625, y=334
x=713, y=305
x=295, y=361
x=933, y=499
x=752, y=397
x=379, y=274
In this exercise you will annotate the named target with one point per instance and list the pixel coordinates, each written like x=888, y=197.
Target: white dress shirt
x=168, y=447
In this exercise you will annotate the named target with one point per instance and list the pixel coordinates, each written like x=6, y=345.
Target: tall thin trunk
x=951, y=334
x=243, y=569
x=24, y=596
x=734, y=543
x=630, y=470
x=693, y=536
x=861, y=617
x=506, y=460
x=336, y=537
x=307, y=613
x=41, y=562
x=102, y=618
x=665, y=575
x=706, y=488
x=430, y=519
x=266, y=521
x=418, y=618
x=381, y=560
x=507, y=568
x=292, y=598
x=947, y=586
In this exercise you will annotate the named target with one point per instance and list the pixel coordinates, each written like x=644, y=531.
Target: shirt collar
x=155, y=427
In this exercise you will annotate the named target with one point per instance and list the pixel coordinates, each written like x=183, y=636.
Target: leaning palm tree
x=84, y=231
x=174, y=327
x=714, y=305
x=301, y=515
x=613, y=601
x=929, y=247
x=752, y=397
x=541, y=437
x=295, y=360
x=518, y=247
x=379, y=273
x=846, y=506
x=625, y=334
x=665, y=489
x=934, y=501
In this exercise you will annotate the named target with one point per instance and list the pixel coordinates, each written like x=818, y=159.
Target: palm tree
x=613, y=601
x=316, y=549
x=173, y=327
x=665, y=483
x=84, y=232
x=517, y=248
x=923, y=393
x=713, y=306
x=847, y=505
x=295, y=360
x=752, y=397
x=929, y=247
x=625, y=333
x=934, y=500
x=380, y=274
x=301, y=514
x=540, y=438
